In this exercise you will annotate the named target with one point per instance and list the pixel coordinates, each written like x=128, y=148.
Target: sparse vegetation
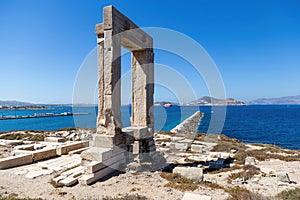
x=225, y=144
x=14, y=196
x=127, y=197
x=24, y=136
x=239, y=193
x=235, y=167
x=270, y=152
x=178, y=182
x=166, y=133
x=248, y=172
x=289, y=194
x=55, y=184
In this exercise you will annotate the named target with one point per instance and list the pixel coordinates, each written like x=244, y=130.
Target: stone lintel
x=99, y=29
x=133, y=38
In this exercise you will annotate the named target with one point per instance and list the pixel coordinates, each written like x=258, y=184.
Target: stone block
x=11, y=142
x=283, y=177
x=128, y=136
x=88, y=179
x=72, y=171
x=250, y=161
x=137, y=147
x=69, y=181
x=97, y=154
x=66, y=148
x=78, y=151
x=191, y=196
x=188, y=141
x=15, y=161
x=108, y=141
x=179, y=146
x=54, y=139
x=28, y=147
x=177, y=138
x=39, y=146
x=104, y=141
x=139, y=133
x=34, y=174
x=43, y=154
x=196, y=148
x=21, y=152
x=193, y=173
x=95, y=166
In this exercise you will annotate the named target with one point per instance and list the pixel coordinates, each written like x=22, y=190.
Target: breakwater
x=41, y=115
x=190, y=125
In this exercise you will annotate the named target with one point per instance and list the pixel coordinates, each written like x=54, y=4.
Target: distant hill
x=277, y=101
x=208, y=101
x=14, y=103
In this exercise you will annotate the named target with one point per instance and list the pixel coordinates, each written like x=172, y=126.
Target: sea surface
x=271, y=124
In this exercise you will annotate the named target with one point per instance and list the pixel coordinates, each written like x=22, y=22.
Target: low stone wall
x=189, y=125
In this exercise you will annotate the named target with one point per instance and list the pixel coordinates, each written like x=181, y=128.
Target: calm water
x=278, y=125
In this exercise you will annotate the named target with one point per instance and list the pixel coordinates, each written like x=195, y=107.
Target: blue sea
x=271, y=124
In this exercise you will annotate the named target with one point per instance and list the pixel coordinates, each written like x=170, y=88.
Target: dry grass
x=178, y=182
x=225, y=144
x=248, y=172
x=166, y=133
x=270, y=152
x=14, y=196
x=239, y=193
x=55, y=184
x=289, y=194
x=235, y=167
x=24, y=136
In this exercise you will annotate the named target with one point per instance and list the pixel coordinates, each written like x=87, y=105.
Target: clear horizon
x=255, y=45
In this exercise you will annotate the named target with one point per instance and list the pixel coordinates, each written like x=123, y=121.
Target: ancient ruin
x=113, y=145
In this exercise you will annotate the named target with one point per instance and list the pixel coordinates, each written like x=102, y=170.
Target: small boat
x=168, y=105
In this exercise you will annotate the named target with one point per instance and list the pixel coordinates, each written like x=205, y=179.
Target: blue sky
x=255, y=44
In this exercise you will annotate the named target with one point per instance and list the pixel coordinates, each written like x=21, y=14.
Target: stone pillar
x=100, y=52
x=142, y=88
x=109, y=63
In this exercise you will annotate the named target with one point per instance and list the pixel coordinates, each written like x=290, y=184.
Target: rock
x=179, y=146
x=196, y=148
x=177, y=138
x=12, y=142
x=282, y=184
x=134, y=167
x=193, y=173
x=39, y=146
x=250, y=161
x=191, y=196
x=54, y=139
x=283, y=177
x=233, y=151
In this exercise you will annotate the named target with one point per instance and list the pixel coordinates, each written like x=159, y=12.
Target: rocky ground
x=248, y=170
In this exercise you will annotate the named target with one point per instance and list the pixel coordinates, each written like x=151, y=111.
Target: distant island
x=287, y=100
x=211, y=101
x=19, y=105
x=203, y=101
